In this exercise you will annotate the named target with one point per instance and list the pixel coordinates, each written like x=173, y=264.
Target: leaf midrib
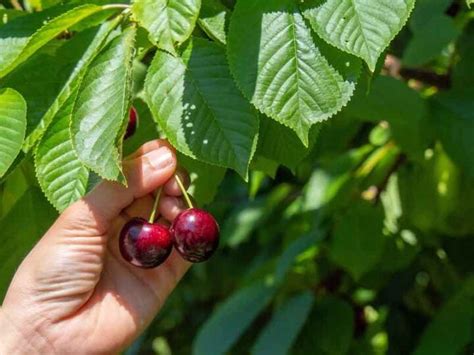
x=195, y=84
x=367, y=48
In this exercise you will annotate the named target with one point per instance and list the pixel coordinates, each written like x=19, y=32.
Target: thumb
x=65, y=265
x=146, y=170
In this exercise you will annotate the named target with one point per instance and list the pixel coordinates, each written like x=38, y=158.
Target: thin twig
x=16, y=5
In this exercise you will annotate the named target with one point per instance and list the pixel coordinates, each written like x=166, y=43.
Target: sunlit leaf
x=102, y=107
x=199, y=108
x=363, y=28
x=278, y=67
x=12, y=127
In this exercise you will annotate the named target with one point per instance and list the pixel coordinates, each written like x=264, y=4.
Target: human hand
x=74, y=293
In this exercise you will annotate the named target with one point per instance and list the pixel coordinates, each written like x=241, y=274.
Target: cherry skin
x=132, y=123
x=145, y=244
x=196, y=235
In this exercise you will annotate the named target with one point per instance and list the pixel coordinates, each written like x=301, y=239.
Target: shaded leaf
x=462, y=74
x=76, y=59
x=281, y=144
x=264, y=165
x=436, y=196
x=146, y=130
x=278, y=67
x=281, y=331
x=198, y=107
x=328, y=330
x=424, y=11
x=287, y=258
x=22, y=37
x=358, y=242
x=424, y=47
x=205, y=179
x=231, y=319
x=454, y=121
x=392, y=100
x=456, y=315
x=247, y=217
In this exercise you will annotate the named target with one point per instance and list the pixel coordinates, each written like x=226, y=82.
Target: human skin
x=74, y=293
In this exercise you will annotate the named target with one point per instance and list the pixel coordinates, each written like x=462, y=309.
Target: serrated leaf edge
x=14, y=63
x=126, y=103
x=325, y=117
x=306, y=12
x=163, y=128
x=77, y=74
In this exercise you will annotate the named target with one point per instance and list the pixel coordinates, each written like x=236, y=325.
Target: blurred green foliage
x=361, y=244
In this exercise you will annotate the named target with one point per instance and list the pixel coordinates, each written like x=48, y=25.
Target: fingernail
x=161, y=158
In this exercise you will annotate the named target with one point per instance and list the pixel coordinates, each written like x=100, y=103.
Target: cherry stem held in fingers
x=183, y=190
x=155, y=205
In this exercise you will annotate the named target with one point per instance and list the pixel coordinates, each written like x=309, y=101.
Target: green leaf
x=12, y=127
x=437, y=197
x=328, y=330
x=76, y=58
x=424, y=46
x=102, y=107
x=247, y=217
x=14, y=185
x=363, y=28
x=453, y=114
x=260, y=164
x=61, y=175
x=146, y=131
x=231, y=319
x=358, y=241
x=42, y=77
x=462, y=74
x=392, y=100
x=213, y=20
x=279, y=143
x=456, y=315
x=296, y=247
x=424, y=11
x=199, y=108
x=329, y=187
x=22, y=37
x=281, y=331
x=7, y=15
x=169, y=22
x=278, y=67
x=27, y=221
x=400, y=251
x=205, y=179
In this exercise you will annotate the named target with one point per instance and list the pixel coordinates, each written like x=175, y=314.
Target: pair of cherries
x=194, y=234
x=146, y=244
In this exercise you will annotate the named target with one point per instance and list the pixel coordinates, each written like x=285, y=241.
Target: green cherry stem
x=183, y=190
x=155, y=205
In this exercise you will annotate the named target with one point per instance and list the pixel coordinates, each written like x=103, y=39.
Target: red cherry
x=145, y=244
x=196, y=235
x=132, y=123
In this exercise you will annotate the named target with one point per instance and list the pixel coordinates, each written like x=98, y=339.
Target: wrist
x=14, y=339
